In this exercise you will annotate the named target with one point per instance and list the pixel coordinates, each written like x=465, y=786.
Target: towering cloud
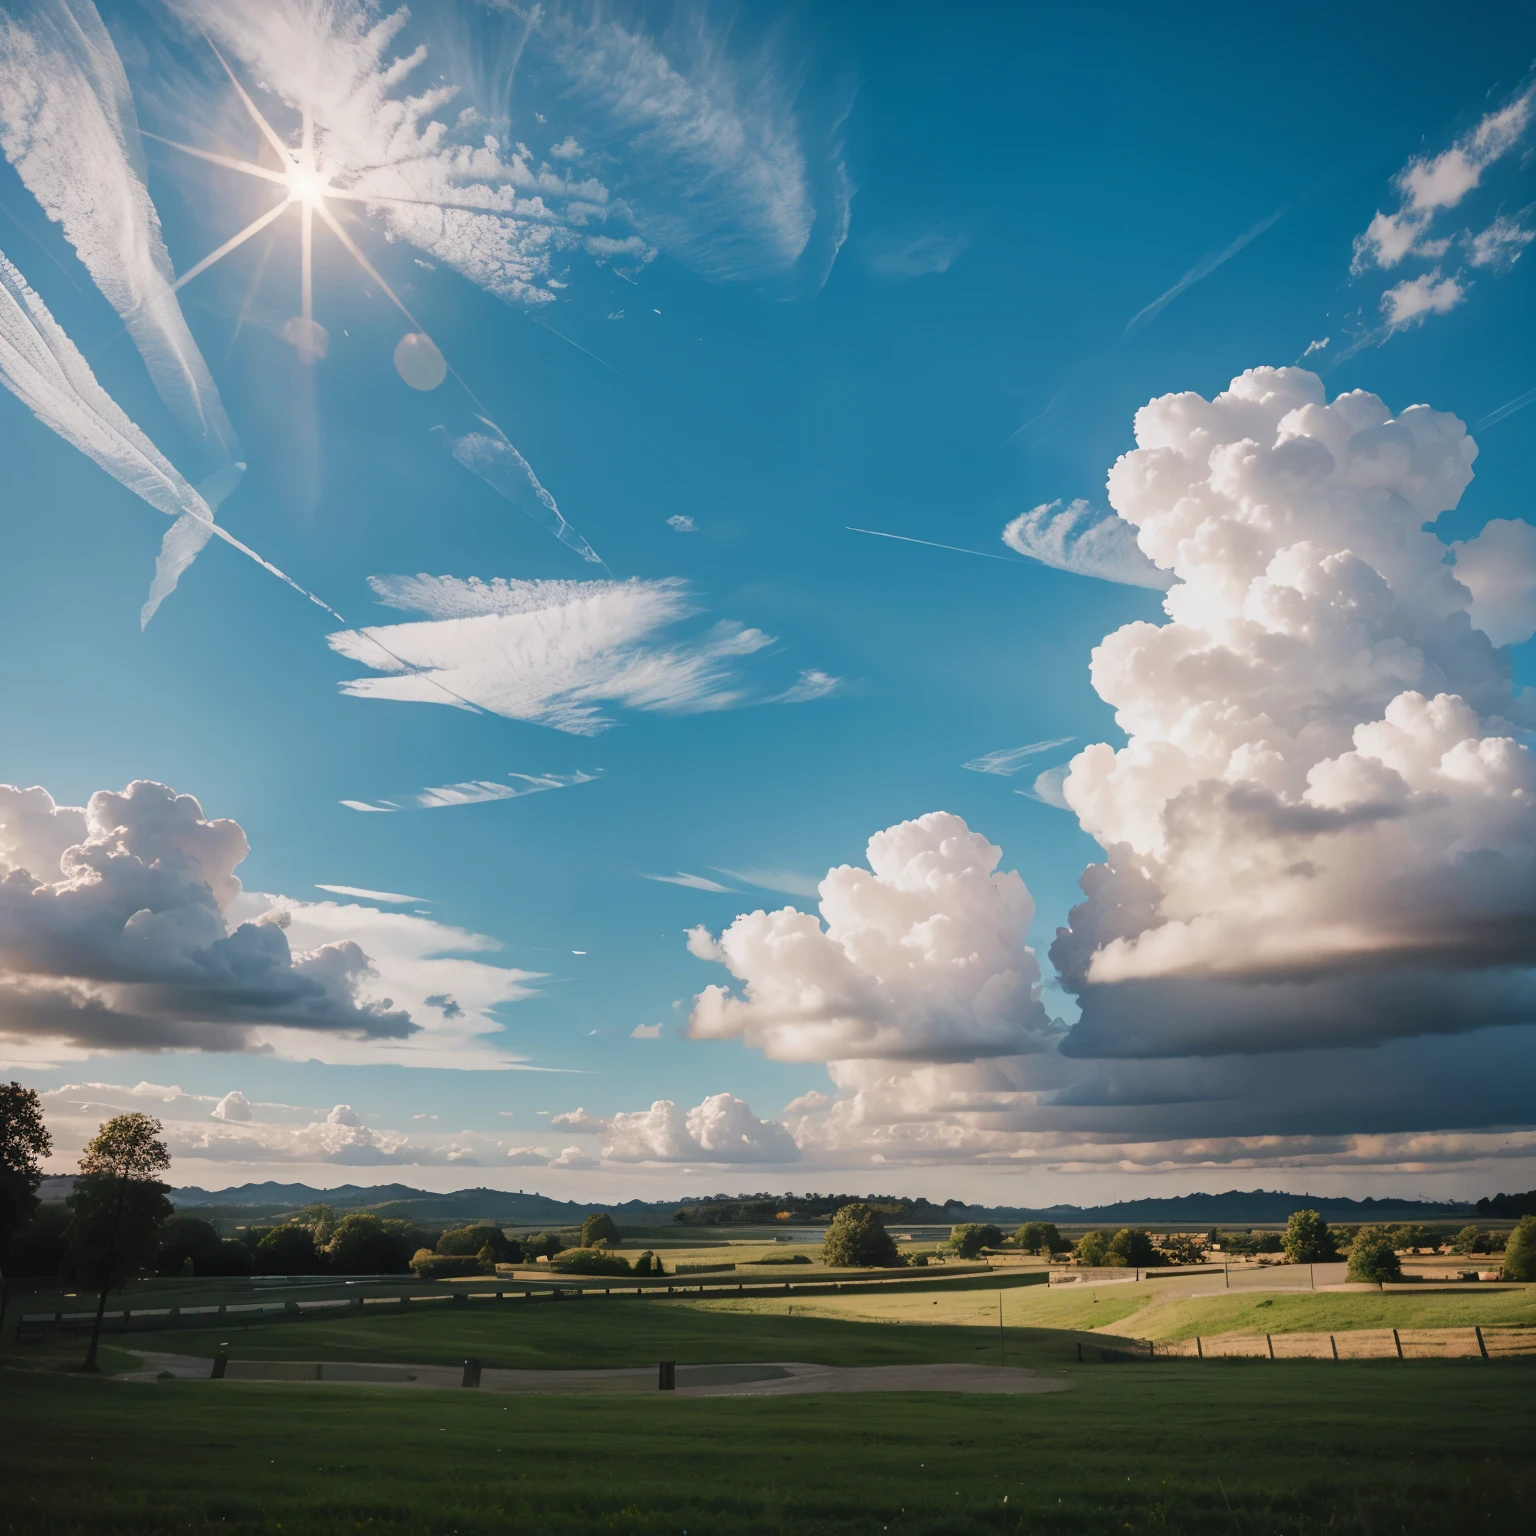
x=1323, y=827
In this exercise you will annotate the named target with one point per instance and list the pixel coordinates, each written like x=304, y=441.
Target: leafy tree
x=362, y=1244
x=1468, y=1241
x=1520, y=1253
x=648, y=1264
x=288, y=1250
x=544, y=1245
x=1411, y=1235
x=599, y=1227
x=1308, y=1240
x=24, y=1142
x=320, y=1219
x=119, y=1203
x=1039, y=1237
x=970, y=1237
x=187, y=1240
x=470, y=1240
x=1373, y=1255
x=1182, y=1248
x=856, y=1238
x=1091, y=1248
x=37, y=1251
x=1132, y=1249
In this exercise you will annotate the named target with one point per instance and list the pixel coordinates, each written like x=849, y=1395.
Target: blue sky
x=772, y=275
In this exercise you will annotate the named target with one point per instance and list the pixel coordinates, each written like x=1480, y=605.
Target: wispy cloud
x=68, y=126
x=812, y=684
x=927, y=254
x=1010, y=761
x=1074, y=537
x=1203, y=269
x=679, y=523
x=692, y=882
x=788, y=881
x=388, y=898
x=551, y=652
x=1411, y=301
x=471, y=792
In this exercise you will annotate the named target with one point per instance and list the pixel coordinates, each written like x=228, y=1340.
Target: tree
x=970, y=1237
x=856, y=1238
x=1308, y=1240
x=1131, y=1248
x=320, y=1219
x=288, y=1250
x=187, y=1240
x=1184, y=1248
x=1373, y=1255
x=1520, y=1252
x=648, y=1264
x=1039, y=1237
x=599, y=1227
x=1468, y=1241
x=460, y=1241
x=1091, y=1248
x=362, y=1244
x=119, y=1203
x=24, y=1142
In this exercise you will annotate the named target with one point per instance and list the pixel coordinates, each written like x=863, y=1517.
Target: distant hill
x=1196, y=1211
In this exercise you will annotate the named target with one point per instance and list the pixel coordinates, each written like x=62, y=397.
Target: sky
x=793, y=598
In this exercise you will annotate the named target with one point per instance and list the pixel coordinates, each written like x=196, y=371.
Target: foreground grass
x=1246, y=1446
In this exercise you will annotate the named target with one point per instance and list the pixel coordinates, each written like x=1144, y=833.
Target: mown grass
x=1333, y=1312
x=1243, y=1446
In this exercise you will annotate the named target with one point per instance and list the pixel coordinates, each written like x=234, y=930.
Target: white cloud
x=1500, y=244
x=566, y=149
x=812, y=684
x=572, y=1157
x=1010, y=760
x=645, y=1032
x=551, y=652
x=1427, y=185
x=722, y=1129
x=678, y=523
x=1076, y=538
x=472, y=792
x=922, y=958
x=67, y=125
x=1499, y=568
x=388, y=898
x=578, y=1122
x=1413, y=300
x=693, y=882
x=606, y=248
x=1320, y=345
x=233, y=1107
x=1322, y=780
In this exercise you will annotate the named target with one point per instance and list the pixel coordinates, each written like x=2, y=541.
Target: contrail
x=545, y=325
x=980, y=553
x=1203, y=268
x=1519, y=403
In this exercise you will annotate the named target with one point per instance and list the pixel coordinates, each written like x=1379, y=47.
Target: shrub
x=1308, y=1240
x=1373, y=1255
x=1091, y=1248
x=648, y=1264
x=590, y=1261
x=1039, y=1237
x=599, y=1228
x=288, y=1250
x=786, y=1258
x=856, y=1238
x=970, y=1237
x=1520, y=1254
x=444, y=1266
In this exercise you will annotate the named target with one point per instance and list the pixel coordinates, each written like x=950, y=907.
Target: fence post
x=1398, y=1342
x=220, y=1363
x=1199, y=1348
x=1333, y=1344
x=1482, y=1348
x=666, y=1376
x=471, y=1373
x=1269, y=1340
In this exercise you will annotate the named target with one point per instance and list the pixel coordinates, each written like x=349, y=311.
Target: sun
x=306, y=185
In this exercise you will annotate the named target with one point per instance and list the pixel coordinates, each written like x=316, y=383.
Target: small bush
x=445, y=1266
x=590, y=1261
x=648, y=1264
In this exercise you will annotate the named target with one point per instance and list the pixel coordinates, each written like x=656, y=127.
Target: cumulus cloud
x=551, y=652
x=119, y=937
x=1499, y=568
x=572, y=1157
x=1321, y=827
x=922, y=958
x=722, y=1129
x=1074, y=537
x=645, y=1032
x=234, y=1106
x=1428, y=184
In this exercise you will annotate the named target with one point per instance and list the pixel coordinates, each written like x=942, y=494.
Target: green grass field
x=1241, y=1447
